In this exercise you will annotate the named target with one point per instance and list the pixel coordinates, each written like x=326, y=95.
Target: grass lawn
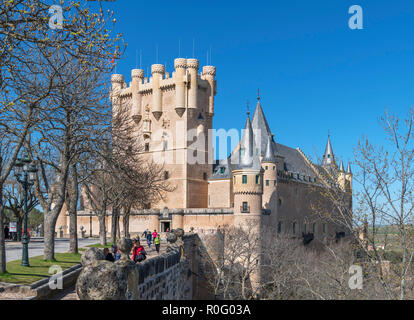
x=38, y=269
x=98, y=245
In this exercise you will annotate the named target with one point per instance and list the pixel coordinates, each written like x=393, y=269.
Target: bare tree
x=121, y=178
x=14, y=202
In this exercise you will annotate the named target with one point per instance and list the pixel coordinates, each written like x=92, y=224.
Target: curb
x=40, y=290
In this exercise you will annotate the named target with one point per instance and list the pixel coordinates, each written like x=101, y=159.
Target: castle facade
x=262, y=182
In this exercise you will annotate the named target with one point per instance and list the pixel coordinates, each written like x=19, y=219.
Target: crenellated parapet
x=209, y=74
x=151, y=98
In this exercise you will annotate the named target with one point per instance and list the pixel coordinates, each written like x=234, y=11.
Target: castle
x=262, y=182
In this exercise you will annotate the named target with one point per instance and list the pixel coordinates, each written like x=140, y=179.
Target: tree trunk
x=114, y=224
x=2, y=240
x=118, y=228
x=73, y=217
x=73, y=230
x=102, y=229
x=125, y=221
x=49, y=237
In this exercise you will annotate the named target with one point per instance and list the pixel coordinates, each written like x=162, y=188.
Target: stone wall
x=169, y=276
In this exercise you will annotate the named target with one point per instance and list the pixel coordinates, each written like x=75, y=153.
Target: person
x=145, y=233
x=154, y=235
x=108, y=256
x=149, y=239
x=168, y=230
x=138, y=252
x=37, y=231
x=157, y=242
x=116, y=253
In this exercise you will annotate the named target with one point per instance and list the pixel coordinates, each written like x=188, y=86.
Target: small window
x=257, y=179
x=222, y=170
x=314, y=228
x=267, y=183
x=274, y=168
x=305, y=228
x=146, y=147
x=279, y=227
x=204, y=175
x=267, y=168
x=274, y=182
x=324, y=228
x=245, y=207
x=242, y=152
x=166, y=175
x=294, y=228
x=244, y=179
x=280, y=202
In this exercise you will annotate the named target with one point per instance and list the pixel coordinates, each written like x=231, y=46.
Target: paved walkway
x=36, y=245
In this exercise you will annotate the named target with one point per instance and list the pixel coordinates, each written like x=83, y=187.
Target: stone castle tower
x=248, y=182
x=170, y=113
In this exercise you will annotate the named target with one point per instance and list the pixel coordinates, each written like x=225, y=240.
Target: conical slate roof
x=293, y=160
x=328, y=157
x=270, y=154
x=348, y=170
x=341, y=167
x=261, y=129
x=248, y=152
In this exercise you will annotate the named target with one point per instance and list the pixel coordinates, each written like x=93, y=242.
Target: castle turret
x=348, y=178
x=341, y=176
x=248, y=183
x=269, y=176
x=192, y=66
x=117, y=81
x=180, y=80
x=329, y=157
x=158, y=71
x=209, y=73
x=137, y=76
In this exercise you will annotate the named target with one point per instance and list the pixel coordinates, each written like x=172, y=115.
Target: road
x=14, y=249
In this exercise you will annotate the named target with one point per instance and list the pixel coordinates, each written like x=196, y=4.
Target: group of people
x=152, y=238
x=112, y=256
x=138, y=252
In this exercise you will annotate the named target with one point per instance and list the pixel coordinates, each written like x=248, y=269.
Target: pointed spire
x=348, y=170
x=246, y=144
x=341, y=166
x=260, y=127
x=328, y=157
x=270, y=154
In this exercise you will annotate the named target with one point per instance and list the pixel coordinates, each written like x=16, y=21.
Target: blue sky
x=314, y=73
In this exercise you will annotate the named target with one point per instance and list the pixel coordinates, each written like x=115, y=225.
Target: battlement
x=186, y=83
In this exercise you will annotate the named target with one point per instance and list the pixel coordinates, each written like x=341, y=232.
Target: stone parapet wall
x=174, y=275
x=159, y=278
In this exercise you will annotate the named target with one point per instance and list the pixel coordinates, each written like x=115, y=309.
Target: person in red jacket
x=154, y=235
x=138, y=252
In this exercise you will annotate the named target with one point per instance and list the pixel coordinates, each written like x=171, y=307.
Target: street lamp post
x=25, y=173
x=90, y=224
